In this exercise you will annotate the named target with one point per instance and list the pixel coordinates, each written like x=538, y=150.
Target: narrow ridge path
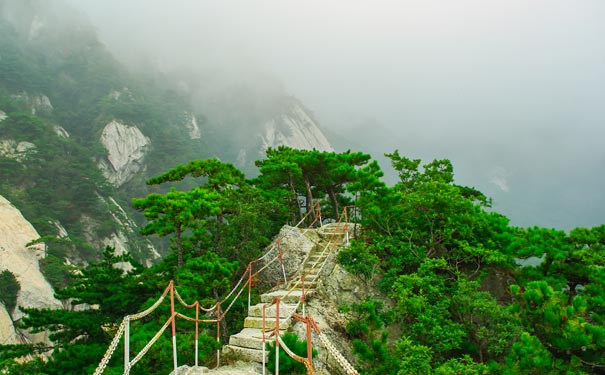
x=248, y=343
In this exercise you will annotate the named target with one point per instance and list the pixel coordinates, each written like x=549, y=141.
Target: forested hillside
x=448, y=270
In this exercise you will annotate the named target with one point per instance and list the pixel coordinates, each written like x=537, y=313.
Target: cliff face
x=80, y=134
x=295, y=128
x=22, y=261
x=287, y=123
x=126, y=148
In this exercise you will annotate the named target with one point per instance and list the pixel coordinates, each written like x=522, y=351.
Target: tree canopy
x=457, y=289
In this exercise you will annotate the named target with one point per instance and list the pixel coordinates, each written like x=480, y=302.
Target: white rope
x=190, y=306
x=151, y=342
x=342, y=361
x=194, y=320
x=110, y=350
x=288, y=350
x=144, y=313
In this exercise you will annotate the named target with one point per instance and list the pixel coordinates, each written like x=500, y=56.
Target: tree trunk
x=295, y=194
x=179, y=247
x=334, y=200
x=309, y=202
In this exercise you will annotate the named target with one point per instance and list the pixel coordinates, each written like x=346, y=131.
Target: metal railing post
x=173, y=317
x=126, y=345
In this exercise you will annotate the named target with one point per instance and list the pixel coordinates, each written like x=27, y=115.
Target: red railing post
x=218, y=333
x=173, y=323
x=197, y=331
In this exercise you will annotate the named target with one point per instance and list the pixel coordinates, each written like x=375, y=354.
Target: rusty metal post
x=173, y=317
x=197, y=330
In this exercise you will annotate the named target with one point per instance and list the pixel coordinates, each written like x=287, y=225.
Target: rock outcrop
x=60, y=131
x=294, y=128
x=19, y=151
x=22, y=261
x=37, y=104
x=126, y=147
x=192, y=126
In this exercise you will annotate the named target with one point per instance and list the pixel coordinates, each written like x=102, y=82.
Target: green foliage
x=311, y=174
x=426, y=243
x=464, y=365
x=9, y=291
x=56, y=271
x=288, y=365
x=358, y=259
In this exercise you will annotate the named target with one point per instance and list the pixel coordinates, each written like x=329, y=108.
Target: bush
x=289, y=365
x=10, y=289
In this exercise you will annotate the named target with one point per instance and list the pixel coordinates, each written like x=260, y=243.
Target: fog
x=512, y=91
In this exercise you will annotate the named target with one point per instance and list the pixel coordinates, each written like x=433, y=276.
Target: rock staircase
x=248, y=343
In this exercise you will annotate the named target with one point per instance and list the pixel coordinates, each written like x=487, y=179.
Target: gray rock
x=126, y=147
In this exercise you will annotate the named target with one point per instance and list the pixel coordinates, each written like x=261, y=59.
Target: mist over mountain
x=510, y=91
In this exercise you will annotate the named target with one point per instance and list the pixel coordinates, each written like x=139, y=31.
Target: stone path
x=248, y=343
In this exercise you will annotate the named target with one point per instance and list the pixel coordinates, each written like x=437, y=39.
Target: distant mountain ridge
x=80, y=134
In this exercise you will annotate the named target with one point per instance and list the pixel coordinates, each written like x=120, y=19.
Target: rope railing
x=245, y=281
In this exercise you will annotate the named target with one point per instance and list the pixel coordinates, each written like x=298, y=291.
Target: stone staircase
x=248, y=343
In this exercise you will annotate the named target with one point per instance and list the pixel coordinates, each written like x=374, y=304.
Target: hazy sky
x=512, y=91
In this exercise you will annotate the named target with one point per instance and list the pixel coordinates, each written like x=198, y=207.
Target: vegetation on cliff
x=450, y=267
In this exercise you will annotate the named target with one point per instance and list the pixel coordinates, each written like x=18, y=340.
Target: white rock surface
x=35, y=27
x=7, y=331
x=61, y=132
x=3, y=115
x=192, y=126
x=19, y=151
x=22, y=261
x=36, y=103
x=295, y=128
x=118, y=242
x=126, y=147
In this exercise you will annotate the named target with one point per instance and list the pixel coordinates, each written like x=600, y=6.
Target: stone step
x=285, y=309
x=256, y=322
x=310, y=276
x=308, y=285
x=245, y=354
x=251, y=338
x=286, y=296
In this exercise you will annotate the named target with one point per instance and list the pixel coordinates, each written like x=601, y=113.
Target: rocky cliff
x=126, y=148
x=22, y=261
x=294, y=128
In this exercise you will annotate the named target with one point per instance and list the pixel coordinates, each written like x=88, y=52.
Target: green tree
x=288, y=365
x=9, y=291
x=177, y=211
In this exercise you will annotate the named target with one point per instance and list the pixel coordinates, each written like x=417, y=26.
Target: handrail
x=236, y=291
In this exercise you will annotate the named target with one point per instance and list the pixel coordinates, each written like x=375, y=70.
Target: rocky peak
x=295, y=128
x=126, y=147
